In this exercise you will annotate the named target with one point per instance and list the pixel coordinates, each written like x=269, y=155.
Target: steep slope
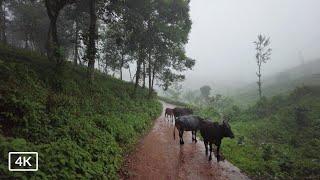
x=79, y=130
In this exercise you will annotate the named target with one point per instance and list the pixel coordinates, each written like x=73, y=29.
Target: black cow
x=177, y=112
x=187, y=123
x=212, y=133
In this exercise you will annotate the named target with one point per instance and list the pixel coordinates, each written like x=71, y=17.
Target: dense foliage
x=277, y=138
x=79, y=130
x=112, y=36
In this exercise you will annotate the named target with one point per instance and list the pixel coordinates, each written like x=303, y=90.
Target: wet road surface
x=159, y=156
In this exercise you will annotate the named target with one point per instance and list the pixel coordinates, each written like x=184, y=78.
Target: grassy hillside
x=307, y=74
x=278, y=137
x=79, y=130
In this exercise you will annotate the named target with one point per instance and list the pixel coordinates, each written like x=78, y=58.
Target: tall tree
x=3, y=37
x=91, y=49
x=73, y=26
x=28, y=25
x=172, y=25
x=54, y=7
x=77, y=10
x=159, y=31
x=263, y=53
x=104, y=11
x=116, y=48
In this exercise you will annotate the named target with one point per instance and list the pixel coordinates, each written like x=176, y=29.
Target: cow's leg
x=181, y=136
x=195, y=136
x=218, y=152
x=210, y=157
x=192, y=136
x=206, y=146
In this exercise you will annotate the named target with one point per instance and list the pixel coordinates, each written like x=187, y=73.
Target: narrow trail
x=159, y=156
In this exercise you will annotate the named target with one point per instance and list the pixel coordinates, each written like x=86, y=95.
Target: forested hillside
x=62, y=92
x=307, y=74
x=79, y=130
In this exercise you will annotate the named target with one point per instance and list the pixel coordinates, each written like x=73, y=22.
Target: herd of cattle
x=211, y=132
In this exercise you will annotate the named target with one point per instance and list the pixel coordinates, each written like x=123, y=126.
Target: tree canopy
x=146, y=37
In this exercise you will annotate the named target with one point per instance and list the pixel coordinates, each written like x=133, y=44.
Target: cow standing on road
x=169, y=114
x=187, y=123
x=212, y=133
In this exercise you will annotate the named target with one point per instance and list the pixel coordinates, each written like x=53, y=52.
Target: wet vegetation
x=80, y=130
x=62, y=91
x=276, y=138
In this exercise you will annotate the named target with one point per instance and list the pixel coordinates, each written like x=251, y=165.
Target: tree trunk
x=144, y=74
x=91, y=50
x=152, y=82
x=53, y=46
x=153, y=76
x=131, y=78
x=149, y=74
x=106, y=68
x=121, y=65
x=3, y=23
x=138, y=73
x=259, y=80
x=76, y=45
x=121, y=73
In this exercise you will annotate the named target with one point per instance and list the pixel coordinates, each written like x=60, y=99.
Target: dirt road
x=159, y=156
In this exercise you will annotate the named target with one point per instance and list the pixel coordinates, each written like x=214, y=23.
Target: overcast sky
x=223, y=31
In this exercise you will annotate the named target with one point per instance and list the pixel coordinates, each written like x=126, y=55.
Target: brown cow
x=169, y=114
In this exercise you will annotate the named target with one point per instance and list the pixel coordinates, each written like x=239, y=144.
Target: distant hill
x=306, y=74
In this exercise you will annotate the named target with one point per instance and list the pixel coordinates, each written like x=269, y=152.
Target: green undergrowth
x=278, y=137
x=80, y=130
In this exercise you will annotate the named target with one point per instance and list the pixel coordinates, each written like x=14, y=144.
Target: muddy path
x=159, y=156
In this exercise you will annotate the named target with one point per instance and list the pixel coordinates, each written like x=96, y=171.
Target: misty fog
x=223, y=31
